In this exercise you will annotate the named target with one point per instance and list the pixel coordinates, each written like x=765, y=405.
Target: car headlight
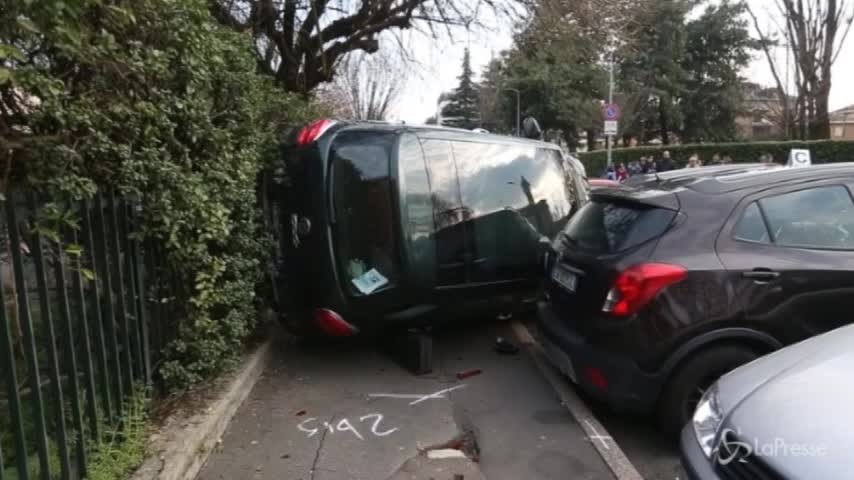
x=707, y=419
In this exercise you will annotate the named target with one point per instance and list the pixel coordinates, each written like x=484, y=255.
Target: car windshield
x=604, y=227
x=364, y=219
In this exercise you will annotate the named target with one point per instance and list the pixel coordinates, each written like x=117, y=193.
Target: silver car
x=787, y=415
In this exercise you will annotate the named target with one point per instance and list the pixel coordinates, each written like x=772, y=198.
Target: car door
x=449, y=216
x=790, y=252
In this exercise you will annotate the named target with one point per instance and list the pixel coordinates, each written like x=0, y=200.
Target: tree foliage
x=717, y=47
x=463, y=107
x=156, y=99
x=675, y=77
x=556, y=65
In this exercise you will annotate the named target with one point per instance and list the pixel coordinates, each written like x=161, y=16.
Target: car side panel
x=812, y=293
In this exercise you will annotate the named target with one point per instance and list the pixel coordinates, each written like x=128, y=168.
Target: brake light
x=596, y=378
x=637, y=285
x=333, y=324
x=313, y=131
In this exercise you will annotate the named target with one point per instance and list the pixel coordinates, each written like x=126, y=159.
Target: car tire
x=693, y=376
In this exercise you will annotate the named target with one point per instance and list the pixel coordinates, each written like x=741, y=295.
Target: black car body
x=657, y=290
x=786, y=415
x=394, y=225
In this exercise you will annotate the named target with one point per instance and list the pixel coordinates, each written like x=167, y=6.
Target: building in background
x=761, y=115
x=842, y=124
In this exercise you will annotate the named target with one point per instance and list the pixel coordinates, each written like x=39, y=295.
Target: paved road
x=522, y=429
x=654, y=456
x=650, y=452
x=312, y=416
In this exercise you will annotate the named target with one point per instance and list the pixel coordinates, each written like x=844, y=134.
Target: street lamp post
x=518, y=110
x=609, y=138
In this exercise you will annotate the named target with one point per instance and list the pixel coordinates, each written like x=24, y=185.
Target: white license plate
x=565, y=278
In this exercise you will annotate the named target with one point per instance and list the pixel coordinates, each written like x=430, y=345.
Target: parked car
x=395, y=225
x=656, y=291
x=691, y=174
x=784, y=416
x=603, y=183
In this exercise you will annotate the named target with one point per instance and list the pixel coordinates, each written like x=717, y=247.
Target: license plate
x=565, y=278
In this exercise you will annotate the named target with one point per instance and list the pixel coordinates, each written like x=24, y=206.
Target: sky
x=438, y=64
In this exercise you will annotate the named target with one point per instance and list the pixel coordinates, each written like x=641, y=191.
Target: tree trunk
x=820, y=125
x=664, y=120
x=571, y=139
x=591, y=139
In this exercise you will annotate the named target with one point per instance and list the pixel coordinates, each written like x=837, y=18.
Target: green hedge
x=154, y=98
x=823, y=151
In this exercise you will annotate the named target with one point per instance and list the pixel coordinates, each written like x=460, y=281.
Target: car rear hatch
x=616, y=230
x=305, y=271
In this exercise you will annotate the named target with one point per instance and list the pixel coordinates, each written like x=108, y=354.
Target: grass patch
x=122, y=449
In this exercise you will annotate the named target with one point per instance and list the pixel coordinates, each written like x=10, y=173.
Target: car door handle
x=761, y=275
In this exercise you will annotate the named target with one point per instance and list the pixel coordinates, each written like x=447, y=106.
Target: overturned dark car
x=388, y=226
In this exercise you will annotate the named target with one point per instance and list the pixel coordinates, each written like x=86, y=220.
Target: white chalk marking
x=378, y=417
x=311, y=432
x=329, y=427
x=597, y=436
x=417, y=396
x=345, y=425
x=614, y=457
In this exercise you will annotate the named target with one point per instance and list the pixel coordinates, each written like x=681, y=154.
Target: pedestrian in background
x=622, y=173
x=652, y=165
x=610, y=174
x=716, y=159
x=694, y=161
x=726, y=160
x=635, y=168
x=666, y=162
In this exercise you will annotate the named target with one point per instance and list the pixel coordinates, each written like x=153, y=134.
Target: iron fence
x=75, y=345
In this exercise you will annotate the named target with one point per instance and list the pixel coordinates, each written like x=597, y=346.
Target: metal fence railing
x=75, y=346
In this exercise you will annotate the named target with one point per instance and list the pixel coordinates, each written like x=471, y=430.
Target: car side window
x=751, y=227
x=820, y=217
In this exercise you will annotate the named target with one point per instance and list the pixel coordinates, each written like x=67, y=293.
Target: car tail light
x=636, y=286
x=313, y=131
x=333, y=324
x=596, y=378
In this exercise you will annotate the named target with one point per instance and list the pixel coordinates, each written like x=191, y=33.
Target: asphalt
x=505, y=417
x=654, y=455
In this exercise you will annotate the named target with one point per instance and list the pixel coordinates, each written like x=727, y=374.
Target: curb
x=610, y=452
x=181, y=448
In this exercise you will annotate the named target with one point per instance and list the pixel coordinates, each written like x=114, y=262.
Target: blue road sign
x=610, y=111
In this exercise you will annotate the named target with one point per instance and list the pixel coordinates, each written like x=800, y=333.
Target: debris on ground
x=468, y=373
x=505, y=347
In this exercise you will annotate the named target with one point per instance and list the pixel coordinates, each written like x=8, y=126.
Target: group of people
x=651, y=165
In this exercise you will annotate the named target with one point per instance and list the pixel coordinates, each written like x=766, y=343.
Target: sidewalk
x=336, y=413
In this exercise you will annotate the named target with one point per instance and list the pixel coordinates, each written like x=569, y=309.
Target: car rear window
x=362, y=195
x=604, y=227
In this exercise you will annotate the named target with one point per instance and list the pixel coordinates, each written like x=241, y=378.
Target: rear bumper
x=695, y=462
x=627, y=389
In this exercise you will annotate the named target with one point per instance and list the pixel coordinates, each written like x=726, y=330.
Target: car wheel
x=690, y=381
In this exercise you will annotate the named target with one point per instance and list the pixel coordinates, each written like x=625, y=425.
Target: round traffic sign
x=610, y=111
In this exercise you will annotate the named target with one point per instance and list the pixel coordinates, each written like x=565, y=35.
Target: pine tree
x=463, y=109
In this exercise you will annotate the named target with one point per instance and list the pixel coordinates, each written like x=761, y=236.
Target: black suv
x=657, y=289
